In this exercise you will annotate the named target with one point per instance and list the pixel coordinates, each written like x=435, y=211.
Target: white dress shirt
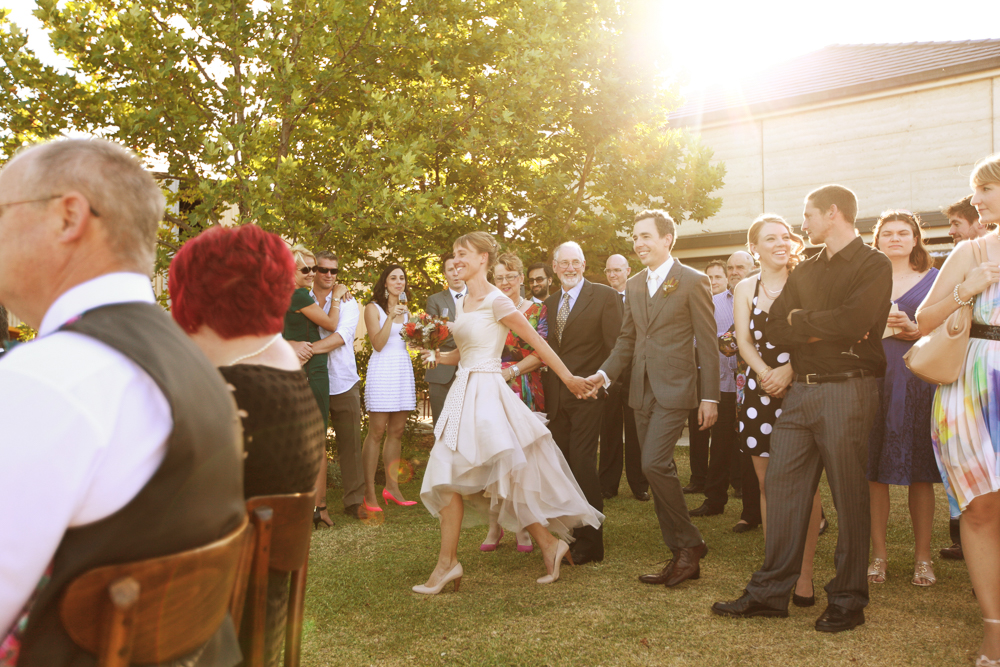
x=655, y=278
x=341, y=364
x=84, y=430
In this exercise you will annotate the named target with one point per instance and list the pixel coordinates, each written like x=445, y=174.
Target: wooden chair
x=283, y=531
x=161, y=609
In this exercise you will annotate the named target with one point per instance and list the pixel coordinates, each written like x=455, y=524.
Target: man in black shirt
x=832, y=311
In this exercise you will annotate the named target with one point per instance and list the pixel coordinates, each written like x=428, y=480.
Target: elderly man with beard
x=584, y=321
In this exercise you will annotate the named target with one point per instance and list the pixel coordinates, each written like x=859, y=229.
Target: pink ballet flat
x=486, y=546
x=386, y=496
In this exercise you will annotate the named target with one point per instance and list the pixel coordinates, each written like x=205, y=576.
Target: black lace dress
x=759, y=411
x=283, y=440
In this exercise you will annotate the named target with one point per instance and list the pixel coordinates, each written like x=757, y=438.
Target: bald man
x=617, y=452
x=722, y=459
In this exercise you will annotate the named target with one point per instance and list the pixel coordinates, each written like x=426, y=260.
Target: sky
x=721, y=41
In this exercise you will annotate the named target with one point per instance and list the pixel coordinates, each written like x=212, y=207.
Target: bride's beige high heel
x=983, y=661
x=562, y=549
x=454, y=574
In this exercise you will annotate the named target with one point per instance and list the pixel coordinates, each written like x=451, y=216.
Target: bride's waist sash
x=452, y=411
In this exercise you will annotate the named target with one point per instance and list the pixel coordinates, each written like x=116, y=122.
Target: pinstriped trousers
x=821, y=426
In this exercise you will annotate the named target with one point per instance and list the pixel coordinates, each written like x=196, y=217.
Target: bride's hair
x=480, y=242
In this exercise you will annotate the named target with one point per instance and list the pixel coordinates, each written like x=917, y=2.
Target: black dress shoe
x=737, y=493
x=954, y=552
x=744, y=527
x=356, y=511
x=609, y=494
x=838, y=619
x=581, y=557
x=694, y=488
x=705, y=510
x=747, y=607
x=644, y=496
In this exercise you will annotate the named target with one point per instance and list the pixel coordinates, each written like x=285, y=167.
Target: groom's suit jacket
x=657, y=340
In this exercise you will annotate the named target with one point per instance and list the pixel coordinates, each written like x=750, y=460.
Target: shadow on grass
x=360, y=610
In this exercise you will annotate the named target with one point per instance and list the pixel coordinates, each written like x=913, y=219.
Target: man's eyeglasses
x=324, y=270
x=306, y=270
x=614, y=270
x=509, y=278
x=37, y=201
x=565, y=264
x=537, y=280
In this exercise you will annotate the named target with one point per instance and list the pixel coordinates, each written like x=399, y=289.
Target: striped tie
x=562, y=316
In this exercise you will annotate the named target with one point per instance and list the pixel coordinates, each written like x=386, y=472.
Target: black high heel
x=803, y=601
x=318, y=518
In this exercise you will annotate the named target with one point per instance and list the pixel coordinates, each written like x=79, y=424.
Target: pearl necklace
x=772, y=295
x=254, y=354
x=519, y=303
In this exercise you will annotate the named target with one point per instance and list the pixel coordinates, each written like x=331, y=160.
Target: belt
x=447, y=426
x=986, y=331
x=815, y=378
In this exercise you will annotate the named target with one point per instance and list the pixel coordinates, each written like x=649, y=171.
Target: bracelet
x=767, y=369
x=959, y=300
x=516, y=370
x=337, y=306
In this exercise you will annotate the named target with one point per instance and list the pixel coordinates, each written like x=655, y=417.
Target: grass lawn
x=360, y=610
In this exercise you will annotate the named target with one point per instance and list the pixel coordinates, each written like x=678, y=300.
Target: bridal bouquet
x=426, y=332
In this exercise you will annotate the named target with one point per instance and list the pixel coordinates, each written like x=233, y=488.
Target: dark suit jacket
x=436, y=305
x=590, y=334
x=657, y=340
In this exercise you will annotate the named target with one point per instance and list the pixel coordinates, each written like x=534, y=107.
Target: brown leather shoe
x=686, y=565
x=661, y=577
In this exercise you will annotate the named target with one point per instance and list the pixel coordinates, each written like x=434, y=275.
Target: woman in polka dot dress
x=776, y=247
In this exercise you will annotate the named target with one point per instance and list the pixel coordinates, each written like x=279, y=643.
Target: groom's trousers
x=659, y=429
x=821, y=426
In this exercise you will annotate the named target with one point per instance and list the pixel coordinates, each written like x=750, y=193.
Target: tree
x=384, y=129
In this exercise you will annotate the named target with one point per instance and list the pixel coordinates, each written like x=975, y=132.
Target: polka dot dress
x=759, y=411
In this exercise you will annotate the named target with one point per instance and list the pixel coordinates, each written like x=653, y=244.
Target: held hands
x=979, y=279
x=596, y=381
x=581, y=387
x=776, y=380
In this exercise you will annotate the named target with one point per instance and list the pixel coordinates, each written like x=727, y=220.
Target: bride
x=491, y=453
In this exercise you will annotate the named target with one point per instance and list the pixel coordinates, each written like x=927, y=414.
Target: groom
x=667, y=306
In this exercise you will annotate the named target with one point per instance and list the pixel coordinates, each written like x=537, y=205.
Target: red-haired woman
x=303, y=319
x=230, y=289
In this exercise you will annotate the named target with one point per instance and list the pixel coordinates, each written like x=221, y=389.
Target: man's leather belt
x=986, y=331
x=815, y=378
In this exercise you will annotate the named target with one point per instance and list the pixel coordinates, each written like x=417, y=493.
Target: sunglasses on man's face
x=324, y=270
x=306, y=270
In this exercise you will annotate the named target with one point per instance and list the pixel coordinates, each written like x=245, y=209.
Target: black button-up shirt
x=839, y=299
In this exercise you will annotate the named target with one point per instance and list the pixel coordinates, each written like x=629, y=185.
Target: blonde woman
x=771, y=241
x=966, y=413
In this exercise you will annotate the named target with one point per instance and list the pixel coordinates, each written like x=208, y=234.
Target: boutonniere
x=669, y=286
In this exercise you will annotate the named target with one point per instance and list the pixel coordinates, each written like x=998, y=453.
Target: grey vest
x=195, y=497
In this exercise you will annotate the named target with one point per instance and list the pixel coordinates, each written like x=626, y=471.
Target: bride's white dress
x=490, y=448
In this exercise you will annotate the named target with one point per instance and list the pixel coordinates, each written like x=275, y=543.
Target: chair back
x=155, y=610
x=282, y=534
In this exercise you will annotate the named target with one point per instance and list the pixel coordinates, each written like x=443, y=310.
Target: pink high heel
x=485, y=546
x=386, y=496
x=371, y=509
x=526, y=548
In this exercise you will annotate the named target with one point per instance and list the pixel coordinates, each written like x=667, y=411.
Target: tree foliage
x=382, y=129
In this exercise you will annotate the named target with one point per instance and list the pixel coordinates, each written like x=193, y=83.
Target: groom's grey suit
x=657, y=342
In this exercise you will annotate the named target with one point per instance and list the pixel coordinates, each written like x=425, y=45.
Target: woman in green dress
x=302, y=323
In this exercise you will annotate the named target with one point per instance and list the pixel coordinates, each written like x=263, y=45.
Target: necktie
x=562, y=315
x=651, y=285
x=623, y=297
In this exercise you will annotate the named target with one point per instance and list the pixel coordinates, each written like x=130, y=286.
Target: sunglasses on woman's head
x=325, y=270
x=306, y=270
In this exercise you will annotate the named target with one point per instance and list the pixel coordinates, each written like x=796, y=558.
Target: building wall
x=911, y=148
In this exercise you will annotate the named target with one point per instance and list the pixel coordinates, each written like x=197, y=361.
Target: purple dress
x=899, y=447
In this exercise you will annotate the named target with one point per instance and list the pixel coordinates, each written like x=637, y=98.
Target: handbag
x=938, y=357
